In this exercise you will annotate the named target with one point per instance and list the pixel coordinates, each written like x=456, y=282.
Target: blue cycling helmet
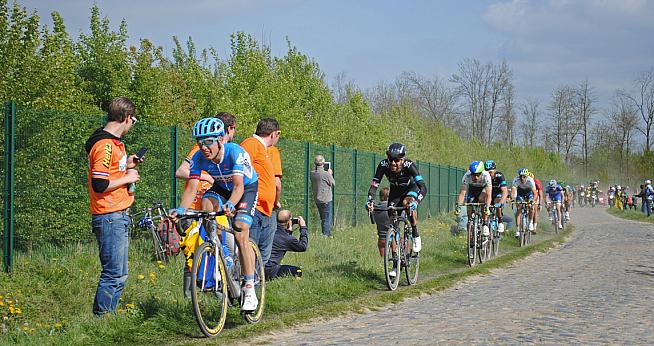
x=208, y=127
x=395, y=151
x=523, y=171
x=490, y=164
x=476, y=167
x=553, y=183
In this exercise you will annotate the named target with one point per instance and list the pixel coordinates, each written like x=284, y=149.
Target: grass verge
x=51, y=290
x=636, y=215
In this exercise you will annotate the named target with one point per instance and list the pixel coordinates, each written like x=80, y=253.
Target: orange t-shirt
x=276, y=160
x=108, y=160
x=203, y=185
x=262, y=163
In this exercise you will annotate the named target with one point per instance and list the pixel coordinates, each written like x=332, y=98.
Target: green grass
x=54, y=288
x=630, y=215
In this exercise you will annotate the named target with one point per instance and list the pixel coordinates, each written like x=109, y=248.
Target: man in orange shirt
x=262, y=231
x=110, y=173
x=273, y=152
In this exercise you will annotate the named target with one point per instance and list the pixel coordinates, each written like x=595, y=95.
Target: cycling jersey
x=203, y=185
x=498, y=181
x=524, y=189
x=539, y=188
x=406, y=182
x=235, y=161
x=555, y=193
x=474, y=189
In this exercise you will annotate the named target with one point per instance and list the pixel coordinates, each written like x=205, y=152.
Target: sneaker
x=250, y=300
x=485, y=231
x=560, y=226
x=517, y=234
x=567, y=216
x=535, y=228
x=417, y=245
x=531, y=226
x=393, y=273
x=500, y=227
x=550, y=217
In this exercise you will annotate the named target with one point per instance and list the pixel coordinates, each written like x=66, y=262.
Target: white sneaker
x=567, y=215
x=417, y=244
x=485, y=231
x=550, y=217
x=531, y=226
x=517, y=234
x=500, y=227
x=250, y=300
x=560, y=226
x=393, y=273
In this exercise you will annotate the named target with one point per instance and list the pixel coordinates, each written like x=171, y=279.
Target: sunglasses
x=397, y=159
x=476, y=175
x=134, y=120
x=207, y=142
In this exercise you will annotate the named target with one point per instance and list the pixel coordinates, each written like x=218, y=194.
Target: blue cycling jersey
x=235, y=161
x=555, y=193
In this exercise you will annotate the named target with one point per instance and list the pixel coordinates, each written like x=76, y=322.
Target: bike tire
x=482, y=244
x=524, y=229
x=259, y=287
x=158, y=246
x=392, y=259
x=471, y=244
x=411, y=259
x=495, y=244
x=209, y=303
x=555, y=221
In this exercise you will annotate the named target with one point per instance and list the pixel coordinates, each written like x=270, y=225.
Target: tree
x=530, y=124
x=625, y=120
x=585, y=111
x=644, y=103
x=566, y=127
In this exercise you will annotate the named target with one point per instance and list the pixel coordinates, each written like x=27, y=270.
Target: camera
x=327, y=165
x=295, y=221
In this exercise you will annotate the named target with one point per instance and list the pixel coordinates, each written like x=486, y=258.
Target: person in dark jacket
x=285, y=241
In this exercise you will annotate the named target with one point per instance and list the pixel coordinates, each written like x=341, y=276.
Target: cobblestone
x=596, y=289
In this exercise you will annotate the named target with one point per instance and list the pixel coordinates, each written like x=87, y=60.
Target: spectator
x=322, y=183
x=262, y=230
x=230, y=126
x=111, y=171
x=273, y=152
x=648, y=196
x=285, y=241
x=382, y=220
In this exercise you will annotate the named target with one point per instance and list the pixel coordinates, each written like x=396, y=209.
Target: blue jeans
x=262, y=233
x=113, y=241
x=325, y=211
x=648, y=206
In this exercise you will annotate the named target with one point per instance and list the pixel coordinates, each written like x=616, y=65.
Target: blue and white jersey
x=235, y=161
x=555, y=193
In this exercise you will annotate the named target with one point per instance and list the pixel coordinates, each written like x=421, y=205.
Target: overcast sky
x=547, y=43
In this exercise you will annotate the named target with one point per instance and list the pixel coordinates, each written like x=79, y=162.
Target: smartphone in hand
x=327, y=165
x=140, y=153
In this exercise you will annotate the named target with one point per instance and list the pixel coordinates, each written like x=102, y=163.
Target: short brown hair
x=227, y=118
x=121, y=108
x=266, y=126
x=384, y=193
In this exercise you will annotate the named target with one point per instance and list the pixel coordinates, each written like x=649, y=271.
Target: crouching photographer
x=285, y=241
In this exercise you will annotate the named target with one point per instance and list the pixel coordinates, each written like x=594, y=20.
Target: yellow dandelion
x=1, y=296
x=129, y=306
x=2, y=303
x=54, y=259
x=153, y=276
x=159, y=262
x=18, y=311
x=11, y=310
x=46, y=326
x=26, y=328
x=141, y=276
x=57, y=325
x=32, y=330
x=161, y=266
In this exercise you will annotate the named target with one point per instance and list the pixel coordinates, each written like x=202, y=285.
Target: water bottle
x=228, y=257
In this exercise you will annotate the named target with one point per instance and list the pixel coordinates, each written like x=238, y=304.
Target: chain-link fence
x=51, y=166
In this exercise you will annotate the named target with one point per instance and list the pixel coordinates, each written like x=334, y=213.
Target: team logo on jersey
x=384, y=163
x=106, y=161
x=407, y=164
x=242, y=205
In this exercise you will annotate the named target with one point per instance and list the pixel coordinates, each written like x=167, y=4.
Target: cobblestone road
x=598, y=288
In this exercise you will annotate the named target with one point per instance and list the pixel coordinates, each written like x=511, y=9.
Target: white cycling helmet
x=648, y=181
x=618, y=187
x=552, y=183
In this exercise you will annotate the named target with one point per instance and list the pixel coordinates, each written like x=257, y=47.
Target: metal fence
x=49, y=180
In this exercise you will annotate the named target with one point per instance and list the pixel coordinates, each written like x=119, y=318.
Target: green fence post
x=173, y=166
x=354, y=186
x=429, y=190
x=10, y=131
x=332, y=153
x=449, y=188
x=307, y=169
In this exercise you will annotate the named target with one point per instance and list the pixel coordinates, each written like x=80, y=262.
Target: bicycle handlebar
x=390, y=207
x=198, y=214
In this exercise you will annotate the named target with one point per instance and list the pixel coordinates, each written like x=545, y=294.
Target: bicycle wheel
x=259, y=287
x=472, y=243
x=555, y=220
x=392, y=259
x=524, y=227
x=209, y=294
x=483, y=245
x=495, y=242
x=411, y=259
x=158, y=247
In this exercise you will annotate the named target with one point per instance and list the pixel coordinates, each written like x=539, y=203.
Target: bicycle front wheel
x=158, y=247
x=259, y=287
x=484, y=245
x=392, y=259
x=523, y=231
x=412, y=259
x=472, y=243
x=209, y=293
x=495, y=243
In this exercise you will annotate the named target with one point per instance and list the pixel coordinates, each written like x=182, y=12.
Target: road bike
x=495, y=235
x=555, y=216
x=479, y=246
x=154, y=220
x=398, y=251
x=217, y=274
x=525, y=234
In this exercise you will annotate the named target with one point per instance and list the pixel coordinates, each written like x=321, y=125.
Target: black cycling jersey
x=407, y=180
x=498, y=181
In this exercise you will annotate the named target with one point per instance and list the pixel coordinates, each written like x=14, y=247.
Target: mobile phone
x=327, y=165
x=141, y=153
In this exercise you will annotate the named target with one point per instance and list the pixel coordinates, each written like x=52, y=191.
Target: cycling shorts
x=397, y=196
x=556, y=198
x=246, y=205
x=528, y=197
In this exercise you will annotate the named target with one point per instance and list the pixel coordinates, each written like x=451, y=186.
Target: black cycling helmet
x=395, y=151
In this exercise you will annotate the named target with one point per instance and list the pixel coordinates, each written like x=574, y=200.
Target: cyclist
x=477, y=187
x=538, y=198
x=582, y=195
x=523, y=190
x=567, y=198
x=234, y=181
x=406, y=185
x=499, y=192
x=554, y=195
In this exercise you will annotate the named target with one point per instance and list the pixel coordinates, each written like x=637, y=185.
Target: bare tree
x=434, y=99
x=530, y=123
x=625, y=120
x=508, y=118
x=566, y=125
x=644, y=104
x=342, y=87
x=585, y=111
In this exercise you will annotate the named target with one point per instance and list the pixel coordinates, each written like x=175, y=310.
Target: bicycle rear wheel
x=158, y=246
x=259, y=287
x=209, y=293
x=495, y=243
x=524, y=229
x=484, y=244
x=412, y=259
x=472, y=243
x=392, y=259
